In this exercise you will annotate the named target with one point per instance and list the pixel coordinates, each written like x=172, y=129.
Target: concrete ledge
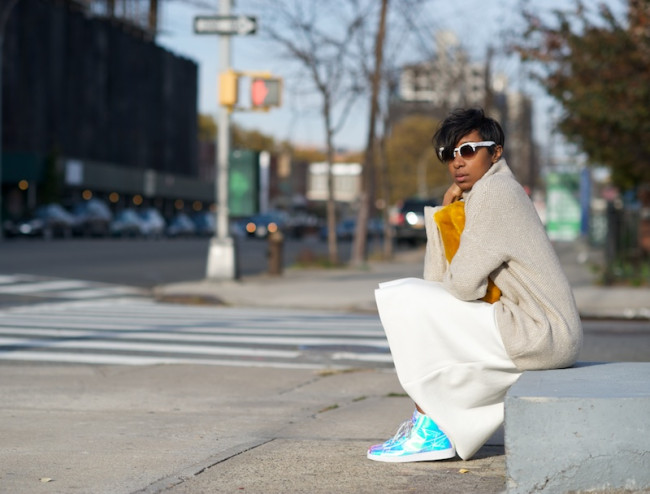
x=586, y=428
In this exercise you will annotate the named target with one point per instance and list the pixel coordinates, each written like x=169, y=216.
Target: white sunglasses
x=466, y=150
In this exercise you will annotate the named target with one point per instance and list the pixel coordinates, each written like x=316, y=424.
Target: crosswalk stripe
x=17, y=278
x=133, y=346
x=365, y=357
x=196, y=338
x=94, y=293
x=109, y=359
x=202, y=325
x=42, y=287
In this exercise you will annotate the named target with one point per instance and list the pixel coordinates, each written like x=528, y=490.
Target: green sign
x=563, y=214
x=243, y=183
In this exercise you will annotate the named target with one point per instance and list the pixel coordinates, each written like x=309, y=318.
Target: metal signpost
x=222, y=263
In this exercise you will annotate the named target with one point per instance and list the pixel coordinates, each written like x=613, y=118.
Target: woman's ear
x=498, y=151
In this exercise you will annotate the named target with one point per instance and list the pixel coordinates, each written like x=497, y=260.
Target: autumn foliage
x=597, y=67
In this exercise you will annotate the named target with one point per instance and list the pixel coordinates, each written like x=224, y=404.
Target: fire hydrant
x=275, y=253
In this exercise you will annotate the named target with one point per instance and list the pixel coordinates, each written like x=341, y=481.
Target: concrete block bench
x=586, y=428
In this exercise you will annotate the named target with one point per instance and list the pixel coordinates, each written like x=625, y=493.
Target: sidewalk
x=349, y=289
x=195, y=429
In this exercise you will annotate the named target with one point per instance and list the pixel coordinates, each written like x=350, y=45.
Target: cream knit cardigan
x=504, y=238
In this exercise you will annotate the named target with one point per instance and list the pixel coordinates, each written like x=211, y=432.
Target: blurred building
x=451, y=80
x=347, y=182
x=448, y=81
x=92, y=106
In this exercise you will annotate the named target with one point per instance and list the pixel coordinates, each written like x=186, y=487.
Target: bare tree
x=411, y=30
x=322, y=50
x=333, y=44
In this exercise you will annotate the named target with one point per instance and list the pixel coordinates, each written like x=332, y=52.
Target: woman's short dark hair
x=461, y=122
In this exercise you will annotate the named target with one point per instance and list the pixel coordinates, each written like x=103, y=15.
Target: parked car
x=408, y=221
x=300, y=224
x=180, y=226
x=260, y=225
x=237, y=228
x=51, y=220
x=10, y=227
x=376, y=227
x=153, y=223
x=127, y=223
x=93, y=218
x=347, y=227
x=205, y=223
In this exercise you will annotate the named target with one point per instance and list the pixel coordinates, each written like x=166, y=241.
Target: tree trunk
x=153, y=18
x=360, y=247
x=332, y=246
x=387, y=247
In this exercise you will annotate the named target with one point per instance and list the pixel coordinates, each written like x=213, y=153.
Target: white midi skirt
x=449, y=358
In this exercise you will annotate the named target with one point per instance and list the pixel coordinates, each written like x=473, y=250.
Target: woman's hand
x=453, y=194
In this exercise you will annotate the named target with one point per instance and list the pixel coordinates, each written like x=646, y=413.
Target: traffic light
x=228, y=88
x=265, y=92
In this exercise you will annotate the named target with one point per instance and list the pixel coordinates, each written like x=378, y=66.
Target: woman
x=455, y=354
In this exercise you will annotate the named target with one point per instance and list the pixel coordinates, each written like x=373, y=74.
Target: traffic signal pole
x=222, y=263
x=266, y=92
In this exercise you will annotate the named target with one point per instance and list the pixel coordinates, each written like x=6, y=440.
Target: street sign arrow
x=225, y=25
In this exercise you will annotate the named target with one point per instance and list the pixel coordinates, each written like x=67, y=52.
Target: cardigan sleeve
x=492, y=214
x=435, y=262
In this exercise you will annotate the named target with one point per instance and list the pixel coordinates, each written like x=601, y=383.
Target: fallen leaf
x=463, y=470
x=45, y=479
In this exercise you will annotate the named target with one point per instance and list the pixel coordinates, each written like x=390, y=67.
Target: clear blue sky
x=475, y=22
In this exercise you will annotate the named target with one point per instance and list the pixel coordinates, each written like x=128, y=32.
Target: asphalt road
x=615, y=340
x=142, y=263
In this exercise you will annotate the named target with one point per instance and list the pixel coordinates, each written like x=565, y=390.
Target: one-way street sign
x=225, y=25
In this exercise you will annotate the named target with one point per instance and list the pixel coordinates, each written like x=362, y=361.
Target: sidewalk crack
x=193, y=471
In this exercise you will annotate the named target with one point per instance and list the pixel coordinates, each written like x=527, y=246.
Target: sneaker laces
x=403, y=430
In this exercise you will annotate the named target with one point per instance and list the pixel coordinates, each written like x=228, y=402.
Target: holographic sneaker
x=417, y=439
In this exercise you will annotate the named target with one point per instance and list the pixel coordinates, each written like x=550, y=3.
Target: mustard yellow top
x=451, y=221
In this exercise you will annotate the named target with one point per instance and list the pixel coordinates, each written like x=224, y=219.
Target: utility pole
x=4, y=16
x=222, y=263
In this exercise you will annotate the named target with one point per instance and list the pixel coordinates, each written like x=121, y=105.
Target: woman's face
x=467, y=171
